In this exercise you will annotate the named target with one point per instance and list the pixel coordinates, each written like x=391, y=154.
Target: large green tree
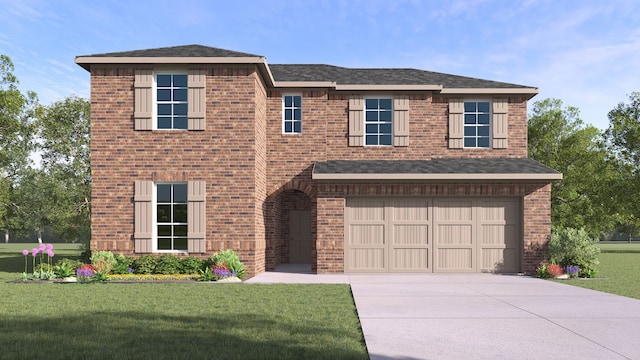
x=16, y=141
x=63, y=130
x=558, y=138
x=623, y=141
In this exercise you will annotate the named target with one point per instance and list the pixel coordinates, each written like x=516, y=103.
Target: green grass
x=173, y=321
x=619, y=273
x=620, y=248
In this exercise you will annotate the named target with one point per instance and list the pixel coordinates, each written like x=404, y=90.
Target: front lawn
x=619, y=273
x=173, y=321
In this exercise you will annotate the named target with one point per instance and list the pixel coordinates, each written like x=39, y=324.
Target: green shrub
x=574, y=247
x=103, y=261
x=230, y=259
x=168, y=264
x=123, y=264
x=66, y=267
x=192, y=265
x=145, y=264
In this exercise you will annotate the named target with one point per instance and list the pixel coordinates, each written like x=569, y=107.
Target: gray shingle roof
x=322, y=72
x=391, y=76
x=434, y=166
x=178, y=51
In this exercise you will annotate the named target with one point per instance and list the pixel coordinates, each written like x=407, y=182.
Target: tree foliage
x=63, y=129
x=623, y=141
x=559, y=139
x=16, y=140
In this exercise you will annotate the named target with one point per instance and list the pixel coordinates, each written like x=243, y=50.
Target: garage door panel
x=502, y=260
x=410, y=210
x=410, y=259
x=454, y=259
x=452, y=210
x=454, y=234
x=366, y=210
x=366, y=234
x=366, y=260
x=410, y=234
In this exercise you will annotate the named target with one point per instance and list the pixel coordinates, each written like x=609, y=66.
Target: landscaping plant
x=168, y=264
x=574, y=247
x=124, y=264
x=228, y=260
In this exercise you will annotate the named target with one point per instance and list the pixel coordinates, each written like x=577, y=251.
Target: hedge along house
x=197, y=149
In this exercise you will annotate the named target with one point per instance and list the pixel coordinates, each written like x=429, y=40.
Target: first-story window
x=292, y=114
x=378, y=121
x=171, y=101
x=477, y=124
x=171, y=216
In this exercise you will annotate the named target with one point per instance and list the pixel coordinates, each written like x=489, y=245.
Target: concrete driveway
x=484, y=316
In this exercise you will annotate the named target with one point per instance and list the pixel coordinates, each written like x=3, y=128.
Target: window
x=292, y=114
x=378, y=121
x=171, y=217
x=171, y=101
x=477, y=124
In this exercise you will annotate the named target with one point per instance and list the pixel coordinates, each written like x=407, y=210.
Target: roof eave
x=438, y=176
x=530, y=92
x=87, y=61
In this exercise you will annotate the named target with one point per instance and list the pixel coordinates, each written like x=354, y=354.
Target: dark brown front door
x=299, y=237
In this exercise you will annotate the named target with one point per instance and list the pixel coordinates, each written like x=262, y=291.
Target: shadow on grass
x=142, y=335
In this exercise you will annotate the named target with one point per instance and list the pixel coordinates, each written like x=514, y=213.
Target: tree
x=623, y=141
x=560, y=140
x=16, y=141
x=63, y=129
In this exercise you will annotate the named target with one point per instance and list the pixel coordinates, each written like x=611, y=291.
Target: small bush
x=542, y=272
x=554, y=270
x=66, y=267
x=123, y=264
x=192, y=265
x=230, y=260
x=574, y=247
x=145, y=264
x=103, y=262
x=168, y=264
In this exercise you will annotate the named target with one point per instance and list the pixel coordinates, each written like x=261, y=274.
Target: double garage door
x=433, y=234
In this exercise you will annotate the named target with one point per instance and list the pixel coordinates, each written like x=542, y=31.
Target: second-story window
x=171, y=99
x=292, y=114
x=378, y=121
x=477, y=124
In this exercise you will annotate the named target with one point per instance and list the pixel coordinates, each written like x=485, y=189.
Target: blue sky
x=584, y=52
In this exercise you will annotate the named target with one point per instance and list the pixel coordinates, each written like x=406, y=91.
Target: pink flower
x=42, y=247
x=50, y=253
x=34, y=251
x=25, y=252
x=49, y=246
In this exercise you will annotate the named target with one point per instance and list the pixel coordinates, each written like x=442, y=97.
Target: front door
x=299, y=237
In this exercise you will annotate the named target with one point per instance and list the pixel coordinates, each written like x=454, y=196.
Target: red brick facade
x=255, y=174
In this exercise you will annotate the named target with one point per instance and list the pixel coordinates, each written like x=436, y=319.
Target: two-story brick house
x=197, y=149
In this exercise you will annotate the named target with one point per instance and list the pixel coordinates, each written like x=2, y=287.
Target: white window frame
x=380, y=96
x=293, y=121
x=154, y=210
x=155, y=96
x=490, y=126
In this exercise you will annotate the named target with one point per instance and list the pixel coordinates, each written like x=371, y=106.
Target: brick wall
x=230, y=155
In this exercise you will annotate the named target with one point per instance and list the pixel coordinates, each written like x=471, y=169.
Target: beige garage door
x=432, y=235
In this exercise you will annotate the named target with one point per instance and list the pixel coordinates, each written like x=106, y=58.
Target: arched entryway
x=295, y=225
x=290, y=231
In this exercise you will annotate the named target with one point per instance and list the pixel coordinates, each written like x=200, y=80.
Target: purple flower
x=34, y=252
x=50, y=253
x=49, y=246
x=130, y=270
x=25, y=252
x=42, y=247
